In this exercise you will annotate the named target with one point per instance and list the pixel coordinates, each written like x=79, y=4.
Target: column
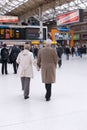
x=41, y=23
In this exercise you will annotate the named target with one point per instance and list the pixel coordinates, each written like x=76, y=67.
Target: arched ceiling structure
x=50, y=8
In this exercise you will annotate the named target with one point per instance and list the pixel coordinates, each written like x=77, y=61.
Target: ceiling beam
x=50, y=5
x=31, y=7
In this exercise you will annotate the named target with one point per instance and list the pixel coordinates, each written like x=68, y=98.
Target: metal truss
x=50, y=11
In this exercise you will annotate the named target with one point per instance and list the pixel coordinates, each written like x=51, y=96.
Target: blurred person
x=76, y=50
x=72, y=51
x=35, y=51
x=84, y=49
x=67, y=52
x=59, y=53
x=4, y=59
x=13, y=56
x=80, y=51
x=47, y=61
x=25, y=69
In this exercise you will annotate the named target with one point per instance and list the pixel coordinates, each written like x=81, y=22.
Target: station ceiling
x=50, y=8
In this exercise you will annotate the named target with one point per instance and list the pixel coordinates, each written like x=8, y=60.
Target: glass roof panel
x=76, y=4
x=8, y=5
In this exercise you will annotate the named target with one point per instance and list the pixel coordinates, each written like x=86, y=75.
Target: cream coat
x=47, y=61
x=25, y=61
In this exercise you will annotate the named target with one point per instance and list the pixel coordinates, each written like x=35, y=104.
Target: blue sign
x=63, y=29
x=4, y=26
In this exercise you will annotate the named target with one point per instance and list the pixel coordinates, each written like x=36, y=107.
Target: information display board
x=12, y=33
x=21, y=33
x=63, y=36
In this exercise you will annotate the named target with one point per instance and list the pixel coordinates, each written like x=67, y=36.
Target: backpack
x=5, y=54
x=13, y=57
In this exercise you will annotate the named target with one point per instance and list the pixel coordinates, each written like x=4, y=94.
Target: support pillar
x=41, y=23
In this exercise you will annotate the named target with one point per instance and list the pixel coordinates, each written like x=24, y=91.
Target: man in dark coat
x=4, y=59
x=67, y=52
x=47, y=61
x=13, y=56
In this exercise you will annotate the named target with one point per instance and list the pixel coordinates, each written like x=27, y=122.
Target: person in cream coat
x=25, y=68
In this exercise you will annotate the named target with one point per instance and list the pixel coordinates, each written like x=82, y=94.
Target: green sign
x=76, y=36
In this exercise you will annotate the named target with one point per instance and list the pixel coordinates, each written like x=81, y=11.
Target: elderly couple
x=47, y=60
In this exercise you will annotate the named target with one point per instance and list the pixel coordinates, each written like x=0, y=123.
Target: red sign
x=8, y=19
x=68, y=18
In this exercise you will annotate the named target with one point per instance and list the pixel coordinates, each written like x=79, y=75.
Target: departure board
x=32, y=33
x=21, y=33
x=12, y=33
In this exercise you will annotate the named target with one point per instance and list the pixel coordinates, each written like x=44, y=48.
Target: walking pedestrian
x=25, y=69
x=13, y=56
x=4, y=59
x=47, y=60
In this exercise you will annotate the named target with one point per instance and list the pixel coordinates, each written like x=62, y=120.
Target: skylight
x=8, y=5
x=76, y=4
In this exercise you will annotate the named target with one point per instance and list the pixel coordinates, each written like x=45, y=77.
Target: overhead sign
x=70, y=17
x=76, y=36
x=63, y=36
x=8, y=19
x=14, y=32
x=63, y=29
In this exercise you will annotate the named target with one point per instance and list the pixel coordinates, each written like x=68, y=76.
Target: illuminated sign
x=76, y=36
x=63, y=29
x=63, y=36
x=32, y=33
x=12, y=33
x=70, y=17
x=8, y=19
x=21, y=33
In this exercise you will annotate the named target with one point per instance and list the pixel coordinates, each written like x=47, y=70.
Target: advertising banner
x=69, y=17
x=8, y=19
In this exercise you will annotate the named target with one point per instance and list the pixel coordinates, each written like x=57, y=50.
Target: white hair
x=48, y=42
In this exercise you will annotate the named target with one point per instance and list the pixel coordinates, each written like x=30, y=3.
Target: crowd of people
x=46, y=58
x=10, y=56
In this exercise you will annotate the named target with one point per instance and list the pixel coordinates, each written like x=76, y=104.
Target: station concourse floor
x=67, y=109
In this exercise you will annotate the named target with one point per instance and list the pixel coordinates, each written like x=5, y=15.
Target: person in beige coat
x=47, y=61
x=25, y=69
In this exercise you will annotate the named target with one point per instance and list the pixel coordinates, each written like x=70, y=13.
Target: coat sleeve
x=39, y=59
x=55, y=57
x=18, y=59
x=32, y=58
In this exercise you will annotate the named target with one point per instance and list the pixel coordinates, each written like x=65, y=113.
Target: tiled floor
x=67, y=109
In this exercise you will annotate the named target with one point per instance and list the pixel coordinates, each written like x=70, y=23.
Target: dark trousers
x=67, y=56
x=60, y=62
x=15, y=66
x=48, y=91
x=25, y=85
x=4, y=67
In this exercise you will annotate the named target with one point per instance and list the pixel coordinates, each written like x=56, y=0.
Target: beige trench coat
x=47, y=61
x=25, y=61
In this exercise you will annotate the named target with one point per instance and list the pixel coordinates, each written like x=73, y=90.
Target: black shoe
x=26, y=97
x=47, y=99
x=15, y=72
